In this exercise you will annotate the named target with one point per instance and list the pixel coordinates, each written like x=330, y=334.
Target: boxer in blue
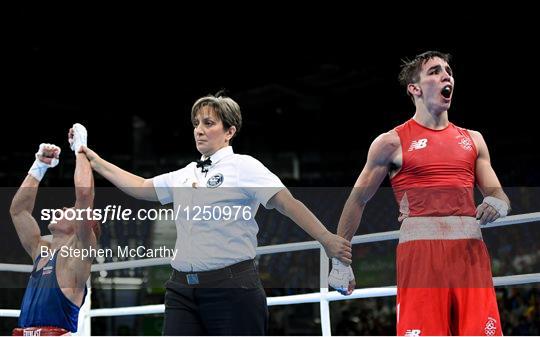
x=57, y=284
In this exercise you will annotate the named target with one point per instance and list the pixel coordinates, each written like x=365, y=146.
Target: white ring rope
x=291, y=299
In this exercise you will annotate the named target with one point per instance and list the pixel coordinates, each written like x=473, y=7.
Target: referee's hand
x=338, y=247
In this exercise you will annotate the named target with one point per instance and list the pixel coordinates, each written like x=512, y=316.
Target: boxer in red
x=444, y=277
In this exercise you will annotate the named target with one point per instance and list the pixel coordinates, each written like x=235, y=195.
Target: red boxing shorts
x=445, y=285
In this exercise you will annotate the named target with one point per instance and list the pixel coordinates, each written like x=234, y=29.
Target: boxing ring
x=323, y=297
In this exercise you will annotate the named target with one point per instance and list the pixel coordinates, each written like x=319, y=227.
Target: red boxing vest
x=437, y=175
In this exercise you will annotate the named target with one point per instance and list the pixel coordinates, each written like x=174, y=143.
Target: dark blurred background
x=316, y=86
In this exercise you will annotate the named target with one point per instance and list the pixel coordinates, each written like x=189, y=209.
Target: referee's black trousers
x=230, y=301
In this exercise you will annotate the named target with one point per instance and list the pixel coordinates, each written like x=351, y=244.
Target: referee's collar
x=220, y=154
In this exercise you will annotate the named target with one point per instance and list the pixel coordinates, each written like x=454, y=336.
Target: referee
x=215, y=288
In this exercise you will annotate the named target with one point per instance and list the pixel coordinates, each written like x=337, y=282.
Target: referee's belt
x=40, y=331
x=205, y=277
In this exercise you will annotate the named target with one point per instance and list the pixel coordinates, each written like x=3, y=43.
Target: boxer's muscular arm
x=24, y=200
x=74, y=271
x=382, y=153
x=486, y=180
x=131, y=184
x=84, y=191
x=21, y=209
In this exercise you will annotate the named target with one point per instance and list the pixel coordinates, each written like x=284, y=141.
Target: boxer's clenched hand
x=48, y=155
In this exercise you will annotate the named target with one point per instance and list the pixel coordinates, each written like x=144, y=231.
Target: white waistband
x=439, y=228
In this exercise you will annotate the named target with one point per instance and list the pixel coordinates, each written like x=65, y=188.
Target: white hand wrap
x=340, y=276
x=500, y=205
x=80, y=136
x=39, y=168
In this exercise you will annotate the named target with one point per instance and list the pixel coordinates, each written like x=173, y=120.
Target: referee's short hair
x=226, y=109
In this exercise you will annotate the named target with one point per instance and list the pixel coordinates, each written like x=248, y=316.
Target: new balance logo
x=418, y=144
x=414, y=332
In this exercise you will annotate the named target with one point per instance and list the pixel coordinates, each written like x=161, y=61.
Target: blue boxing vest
x=44, y=303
